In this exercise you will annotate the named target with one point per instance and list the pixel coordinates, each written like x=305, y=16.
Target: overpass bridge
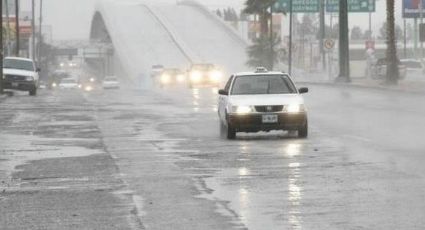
x=145, y=33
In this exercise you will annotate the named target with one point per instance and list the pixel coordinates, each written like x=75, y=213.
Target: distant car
x=68, y=83
x=20, y=74
x=379, y=69
x=204, y=75
x=413, y=67
x=171, y=76
x=262, y=101
x=110, y=82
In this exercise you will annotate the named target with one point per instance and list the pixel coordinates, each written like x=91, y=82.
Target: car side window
x=229, y=82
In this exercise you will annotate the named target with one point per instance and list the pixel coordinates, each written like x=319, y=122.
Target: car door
x=222, y=100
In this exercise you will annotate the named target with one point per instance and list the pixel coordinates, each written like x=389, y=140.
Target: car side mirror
x=223, y=92
x=303, y=90
x=38, y=70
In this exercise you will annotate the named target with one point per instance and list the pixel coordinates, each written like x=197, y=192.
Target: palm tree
x=392, y=60
x=260, y=53
x=260, y=8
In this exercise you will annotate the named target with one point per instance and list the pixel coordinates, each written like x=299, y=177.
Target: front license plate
x=14, y=84
x=272, y=118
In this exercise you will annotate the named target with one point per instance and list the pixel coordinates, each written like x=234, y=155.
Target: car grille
x=8, y=77
x=269, y=108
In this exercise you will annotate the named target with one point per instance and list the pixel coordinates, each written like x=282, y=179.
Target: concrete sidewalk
x=406, y=85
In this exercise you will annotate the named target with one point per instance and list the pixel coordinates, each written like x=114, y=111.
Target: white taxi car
x=262, y=101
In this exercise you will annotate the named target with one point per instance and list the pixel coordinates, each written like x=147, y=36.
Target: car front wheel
x=33, y=92
x=231, y=132
x=303, y=131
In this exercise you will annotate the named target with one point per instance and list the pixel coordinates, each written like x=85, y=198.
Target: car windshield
x=69, y=81
x=18, y=64
x=172, y=71
x=263, y=84
x=111, y=79
x=203, y=66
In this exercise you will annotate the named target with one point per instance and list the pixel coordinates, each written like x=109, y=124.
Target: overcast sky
x=70, y=19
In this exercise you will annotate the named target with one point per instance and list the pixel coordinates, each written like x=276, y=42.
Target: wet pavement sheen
x=361, y=167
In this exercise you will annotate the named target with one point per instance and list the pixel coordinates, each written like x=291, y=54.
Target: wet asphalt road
x=133, y=159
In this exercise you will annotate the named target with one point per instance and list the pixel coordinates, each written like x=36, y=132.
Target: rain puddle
x=19, y=149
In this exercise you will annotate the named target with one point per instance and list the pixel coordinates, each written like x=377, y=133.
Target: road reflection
x=196, y=97
x=204, y=98
x=295, y=190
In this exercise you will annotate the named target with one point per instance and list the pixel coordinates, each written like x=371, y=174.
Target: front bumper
x=19, y=85
x=254, y=122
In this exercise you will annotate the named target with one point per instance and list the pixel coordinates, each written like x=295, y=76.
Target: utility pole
x=271, y=38
x=40, y=34
x=17, y=28
x=322, y=33
x=290, y=39
x=2, y=48
x=7, y=27
x=33, y=30
x=370, y=26
x=422, y=21
x=404, y=38
x=344, y=52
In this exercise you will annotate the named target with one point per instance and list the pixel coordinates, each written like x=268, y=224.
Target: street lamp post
x=271, y=38
x=33, y=30
x=17, y=28
x=322, y=33
x=290, y=39
x=2, y=48
x=40, y=34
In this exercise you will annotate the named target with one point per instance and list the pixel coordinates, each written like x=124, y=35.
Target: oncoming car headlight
x=29, y=78
x=295, y=108
x=180, y=78
x=242, y=109
x=195, y=76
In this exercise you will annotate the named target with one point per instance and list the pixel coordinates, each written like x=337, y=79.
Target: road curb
x=361, y=86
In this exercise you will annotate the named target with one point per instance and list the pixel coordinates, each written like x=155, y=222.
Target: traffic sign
x=329, y=44
x=332, y=6
x=412, y=8
x=298, y=6
x=354, y=6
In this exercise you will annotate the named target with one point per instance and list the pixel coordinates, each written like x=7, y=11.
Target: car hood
x=267, y=99
x=19, y=72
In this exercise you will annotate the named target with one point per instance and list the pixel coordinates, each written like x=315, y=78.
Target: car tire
x=303, y=131
x=33, y=92
x=231, y=132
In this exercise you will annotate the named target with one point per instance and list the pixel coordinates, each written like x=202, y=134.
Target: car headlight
x=295, y=108
x=29, y=78
x=88, y=88
x=215, y=75
x=180, y=78
x=242, y=109
x=195, y=76
x=54, y=84
x=92, y=79
x=165, y=79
